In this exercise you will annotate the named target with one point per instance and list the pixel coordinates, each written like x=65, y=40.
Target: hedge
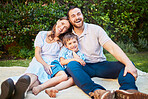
x=22, y=22
x=123, y=20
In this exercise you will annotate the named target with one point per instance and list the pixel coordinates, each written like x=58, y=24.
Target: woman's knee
x=33, y=77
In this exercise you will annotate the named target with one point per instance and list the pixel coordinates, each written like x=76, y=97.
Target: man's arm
x=117, y=52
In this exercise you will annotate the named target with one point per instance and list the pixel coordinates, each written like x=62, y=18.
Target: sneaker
x=102, y=94
x=7, y=88
x=130, y=94
x=21, y=87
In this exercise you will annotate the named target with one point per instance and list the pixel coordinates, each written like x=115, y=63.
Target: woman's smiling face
x=61, y=27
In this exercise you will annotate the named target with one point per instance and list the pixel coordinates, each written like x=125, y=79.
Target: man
x=92, y=40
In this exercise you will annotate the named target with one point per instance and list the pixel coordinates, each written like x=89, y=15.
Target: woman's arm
x=39, y=59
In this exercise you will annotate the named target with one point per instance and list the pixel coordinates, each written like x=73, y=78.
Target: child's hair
x=68, y=36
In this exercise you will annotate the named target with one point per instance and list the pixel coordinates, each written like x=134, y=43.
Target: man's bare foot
x=36, y=90
x=51, y=92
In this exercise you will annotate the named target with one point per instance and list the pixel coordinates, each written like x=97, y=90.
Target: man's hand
x=48, y=70
x=131, y=69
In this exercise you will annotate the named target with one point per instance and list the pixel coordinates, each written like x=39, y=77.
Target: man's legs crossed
x=113, y=70
x=82, y=75
x=128, y=89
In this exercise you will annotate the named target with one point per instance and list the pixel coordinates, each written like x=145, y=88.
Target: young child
x=68, y=53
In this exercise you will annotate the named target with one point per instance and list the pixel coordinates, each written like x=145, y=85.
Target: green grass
x=139, y=59
x=9, y=63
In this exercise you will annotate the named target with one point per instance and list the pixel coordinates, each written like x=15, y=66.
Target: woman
x=44, y=69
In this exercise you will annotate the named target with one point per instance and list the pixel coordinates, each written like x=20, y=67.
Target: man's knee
x=73, y=65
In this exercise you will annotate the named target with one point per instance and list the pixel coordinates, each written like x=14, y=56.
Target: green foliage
x=22, y=23
x=127, y=47
x=17, y=52
x=142, y=44
x=1, y=53
x=122, y=19
x=13, y=51
x=26, y=53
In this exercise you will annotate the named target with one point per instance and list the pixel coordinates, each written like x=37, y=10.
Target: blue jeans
x=112, y=70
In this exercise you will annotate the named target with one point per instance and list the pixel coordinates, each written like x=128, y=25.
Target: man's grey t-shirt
x=91, y=41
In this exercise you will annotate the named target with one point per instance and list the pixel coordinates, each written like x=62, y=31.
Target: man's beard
x=76, y=26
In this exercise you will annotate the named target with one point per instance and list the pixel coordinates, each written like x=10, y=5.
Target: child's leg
x=59, y=77
x=63, y=85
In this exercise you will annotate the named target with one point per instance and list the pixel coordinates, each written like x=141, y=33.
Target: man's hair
x=70, y=8
x=68, y=36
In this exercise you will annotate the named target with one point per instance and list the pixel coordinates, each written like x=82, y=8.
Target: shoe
x=21, y=87
x=102, y=94
x=130, y=94
x=7, y=88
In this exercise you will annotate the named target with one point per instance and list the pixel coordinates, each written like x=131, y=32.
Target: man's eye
x=79, y=13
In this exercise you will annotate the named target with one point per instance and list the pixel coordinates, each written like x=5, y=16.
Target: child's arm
x=75, y=55
x=64, y=61
x=81, y=61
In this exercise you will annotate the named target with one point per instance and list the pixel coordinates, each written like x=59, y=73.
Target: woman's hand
x=47, y=68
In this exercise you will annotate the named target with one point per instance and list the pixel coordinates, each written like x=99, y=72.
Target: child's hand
x=48, y=70
x=75, y=55
x=82, y=62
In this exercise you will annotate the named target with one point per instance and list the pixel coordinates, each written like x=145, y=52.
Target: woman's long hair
x=52, y=35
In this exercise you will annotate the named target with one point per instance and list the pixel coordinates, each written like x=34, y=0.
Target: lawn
x=139, y=59
x=20, y=62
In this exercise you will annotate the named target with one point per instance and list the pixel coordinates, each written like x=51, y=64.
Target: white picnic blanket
x=73, y=92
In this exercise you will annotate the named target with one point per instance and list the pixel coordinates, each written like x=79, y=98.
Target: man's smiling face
x=76, y=17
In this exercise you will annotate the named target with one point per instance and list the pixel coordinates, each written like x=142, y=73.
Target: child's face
x=72, y=44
